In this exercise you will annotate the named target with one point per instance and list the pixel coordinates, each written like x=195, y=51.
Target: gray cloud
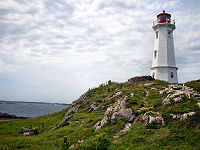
x=58, y=49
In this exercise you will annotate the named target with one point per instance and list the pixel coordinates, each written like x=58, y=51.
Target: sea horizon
x=30, y=109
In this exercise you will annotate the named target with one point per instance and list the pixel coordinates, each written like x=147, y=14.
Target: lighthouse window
x=169, y=33
x=155, y=54
x=156, y=35
x=172, y=75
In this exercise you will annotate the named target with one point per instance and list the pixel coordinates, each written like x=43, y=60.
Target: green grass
x=175, y=134
x=194, y=84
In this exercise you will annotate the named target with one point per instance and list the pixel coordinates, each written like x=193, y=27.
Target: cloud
x=6, y=68
x=59, y=49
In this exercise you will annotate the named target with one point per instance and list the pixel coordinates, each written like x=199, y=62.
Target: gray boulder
x=157, y=120
x=178, y=100
x=145, y=119
x=190, y=115
x=117, y=111
x=166, y=101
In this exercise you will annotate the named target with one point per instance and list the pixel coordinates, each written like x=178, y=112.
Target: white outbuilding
x=163, y=64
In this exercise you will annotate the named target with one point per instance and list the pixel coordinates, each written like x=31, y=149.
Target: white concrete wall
x=164, y=63
x=164, y=73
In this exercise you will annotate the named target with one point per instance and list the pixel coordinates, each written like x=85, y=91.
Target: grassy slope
x=175, y=135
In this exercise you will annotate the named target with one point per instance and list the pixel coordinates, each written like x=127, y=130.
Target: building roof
x=163, y=13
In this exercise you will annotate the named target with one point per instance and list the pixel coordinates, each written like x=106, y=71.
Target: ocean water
x=25, y=109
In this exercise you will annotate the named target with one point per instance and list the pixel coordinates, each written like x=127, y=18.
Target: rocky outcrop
x=5, y=115
x=93, y=105
x=190, y=115
x=63, y=121
x=116, y=112
x=146, y=118
x=115, y=95
x=83, y=97
x=177, y=90
x=73, y=108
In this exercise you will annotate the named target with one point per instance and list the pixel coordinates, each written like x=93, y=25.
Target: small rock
x=28, y=133
x=166, y=102
x=145, y=119
x=116, y=136
x=190, y=115
x=177, y=87
x=104, y=121
x=149, y=119
x=184, y=116
x=157, y=120
x=198, y=104
x=131, y=94
x=25, y=129
x=148, y=84
x=176, y=116
x=162, y=92
x=97, y=124
x=144, y=108
x=71, y=146
x=178, y=99
x=126, y=128
x=178, y=93
x=80, y=141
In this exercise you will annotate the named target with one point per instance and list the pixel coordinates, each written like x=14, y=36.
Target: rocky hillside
x=154, y=105
x=141, y=113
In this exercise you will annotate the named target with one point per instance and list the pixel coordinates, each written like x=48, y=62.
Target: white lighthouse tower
x=163, y=64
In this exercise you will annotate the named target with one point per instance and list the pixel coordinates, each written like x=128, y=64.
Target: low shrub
x=64, y=124
x=152, y=125
x=65, y=144
x=102, y=143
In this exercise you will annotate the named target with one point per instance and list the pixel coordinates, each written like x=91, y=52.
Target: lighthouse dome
x=163, y=17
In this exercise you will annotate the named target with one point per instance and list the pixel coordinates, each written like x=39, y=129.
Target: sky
x=54, y=51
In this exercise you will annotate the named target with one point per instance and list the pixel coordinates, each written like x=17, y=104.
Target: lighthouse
x=163, y=64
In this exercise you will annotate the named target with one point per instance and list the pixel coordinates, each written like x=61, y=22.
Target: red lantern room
x=163, y=17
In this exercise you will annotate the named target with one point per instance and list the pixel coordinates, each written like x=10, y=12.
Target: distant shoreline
x=5, y=117
x=21, y=109
x=10, y=102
